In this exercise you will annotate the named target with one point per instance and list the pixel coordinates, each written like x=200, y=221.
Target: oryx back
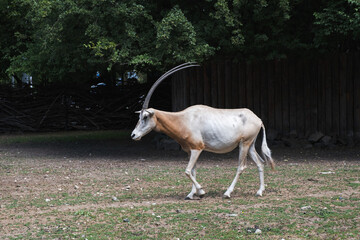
x=221, y=130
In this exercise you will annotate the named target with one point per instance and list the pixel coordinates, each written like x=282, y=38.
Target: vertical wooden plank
x=181, y=84
x=335, y=93
x=278, y=107
x=264, y=93
x=312, y=97
x=174, y=92
x=321, y=97
x=318, y=96
x=200, y=85
x=342, y=88
x=235, y=85
x=292, y=96
x=271, y=94
x=186, y=89
x=357, y=96
x=328, y=97
x=227, y=84
x=181, y=90
x=285, y=98
x=300, y=122
x=349, y=97
x=207, y=84
x=193, y=86
x=307, y=97
x=249, y=86
x=221, y=84
x=242, y=85
x=256, y=88
x=214, y=89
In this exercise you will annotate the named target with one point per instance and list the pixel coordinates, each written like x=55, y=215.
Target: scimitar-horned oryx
x=200, y=128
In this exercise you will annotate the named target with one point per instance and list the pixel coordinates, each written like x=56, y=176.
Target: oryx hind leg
x=244, y=147
x=256, y=158
x=191, y=173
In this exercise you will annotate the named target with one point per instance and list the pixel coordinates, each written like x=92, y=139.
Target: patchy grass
x=45, y=196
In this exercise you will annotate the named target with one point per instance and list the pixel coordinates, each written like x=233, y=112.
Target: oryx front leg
x=191, y=173
x=256, y=158
x=193, y=189
x=242, y=166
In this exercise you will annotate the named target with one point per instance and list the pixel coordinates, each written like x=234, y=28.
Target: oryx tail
x=266, y=152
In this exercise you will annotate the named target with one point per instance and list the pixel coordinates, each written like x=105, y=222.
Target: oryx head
x=147, y=122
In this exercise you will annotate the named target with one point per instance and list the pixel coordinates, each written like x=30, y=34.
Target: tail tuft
x=266, y=152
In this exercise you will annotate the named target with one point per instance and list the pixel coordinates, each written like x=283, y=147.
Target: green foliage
x=251, y=29
x=121, y=34
x=138, y=41
x=14, y=33
x=338, y=25
x=176, y=38
x=56, y=36
x=72, y=39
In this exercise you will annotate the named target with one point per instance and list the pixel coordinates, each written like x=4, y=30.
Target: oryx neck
x=168, y=123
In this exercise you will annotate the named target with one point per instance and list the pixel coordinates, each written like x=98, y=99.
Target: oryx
x=199, y=128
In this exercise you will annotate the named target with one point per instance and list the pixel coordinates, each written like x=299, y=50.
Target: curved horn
x=165, y=75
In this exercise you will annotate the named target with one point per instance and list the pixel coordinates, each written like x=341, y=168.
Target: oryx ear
x=138, y=112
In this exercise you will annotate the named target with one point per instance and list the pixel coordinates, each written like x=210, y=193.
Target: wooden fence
x=82, y=108
x=293, y=96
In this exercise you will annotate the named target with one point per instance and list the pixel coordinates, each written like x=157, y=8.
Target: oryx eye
x=145, y=117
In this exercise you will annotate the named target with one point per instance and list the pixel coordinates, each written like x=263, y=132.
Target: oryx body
x=200, y=128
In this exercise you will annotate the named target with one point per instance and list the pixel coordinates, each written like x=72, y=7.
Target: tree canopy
x=70, y=40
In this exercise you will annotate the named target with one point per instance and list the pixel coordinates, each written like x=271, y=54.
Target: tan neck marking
x=169, y=124
x=172, y=125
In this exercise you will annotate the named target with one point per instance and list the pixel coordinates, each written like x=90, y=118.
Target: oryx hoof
x=226, y=196
x=259, y=193
x=191, y=198
x=200, y=192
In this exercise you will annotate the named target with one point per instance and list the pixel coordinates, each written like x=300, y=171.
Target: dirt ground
x=28, y=170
